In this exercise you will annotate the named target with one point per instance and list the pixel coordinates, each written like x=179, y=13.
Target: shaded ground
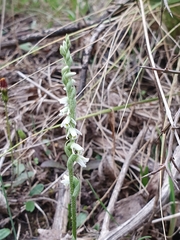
x=122, y=136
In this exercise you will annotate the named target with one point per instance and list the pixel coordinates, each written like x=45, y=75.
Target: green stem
x=1, y=180
x=8, y=125
x=9, y=134
x=70, y=164
x=8, y=208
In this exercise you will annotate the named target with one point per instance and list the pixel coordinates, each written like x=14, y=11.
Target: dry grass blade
x=2, y=21
x=119, y=183
x=159, y=87
x=167, y=6
x=60, y=218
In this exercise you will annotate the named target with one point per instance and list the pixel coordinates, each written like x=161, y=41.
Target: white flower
x=82, y=160
x=76, y=148
x=64, y=111
x=66, y=121
x=64, y=101
x=73, y=132
x=65, y=180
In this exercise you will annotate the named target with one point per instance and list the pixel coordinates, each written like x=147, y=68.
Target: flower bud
x=4, y=89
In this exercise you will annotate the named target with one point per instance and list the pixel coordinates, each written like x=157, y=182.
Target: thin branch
x=165, y=70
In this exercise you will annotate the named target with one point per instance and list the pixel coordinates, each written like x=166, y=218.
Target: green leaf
x=145, y=237
x=46, y=141
x=97, y=227
x=30, y=206
x=19, y=168
x=22, y=178
x=4, y=233
x=21, y=134
x=48, y=152
x=26, y=46
x=143, y=173
x=36, y=190
x=172, y=196
x=98, y=157
x=36, y=160
x=71, y=15
x=81, y=218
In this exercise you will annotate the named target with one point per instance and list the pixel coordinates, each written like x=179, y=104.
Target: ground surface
x=120, y=113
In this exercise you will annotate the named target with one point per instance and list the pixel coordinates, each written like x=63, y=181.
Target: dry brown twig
x=60, y=218
x=118, y=186
x=38, y=86
x=165, y=70
x=86, y=57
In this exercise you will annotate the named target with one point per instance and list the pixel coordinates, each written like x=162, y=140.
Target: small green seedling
x=143, y=173
x=4, y=233
x=30, y=205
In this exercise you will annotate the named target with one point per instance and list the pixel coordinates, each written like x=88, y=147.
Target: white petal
x=82, y=161
x=64, y=111
x=65, y=180
x=64, y=101
x=76, y=148
x=65, y=122
x=73, y=132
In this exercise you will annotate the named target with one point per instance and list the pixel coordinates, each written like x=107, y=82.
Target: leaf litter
x=113, y=78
